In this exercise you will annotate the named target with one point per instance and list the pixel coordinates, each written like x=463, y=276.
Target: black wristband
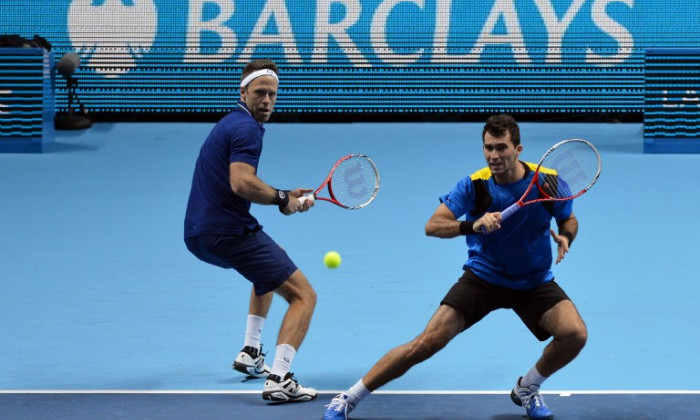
x=568, y=235
x=281, y=199
x=466, y=227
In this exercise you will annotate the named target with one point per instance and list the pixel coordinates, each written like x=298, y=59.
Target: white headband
x=254, y=75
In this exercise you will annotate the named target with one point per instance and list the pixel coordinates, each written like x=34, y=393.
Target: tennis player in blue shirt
x=220, y=230
x=508, y=266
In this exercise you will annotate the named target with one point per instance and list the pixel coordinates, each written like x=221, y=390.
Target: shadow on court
x=250, y=406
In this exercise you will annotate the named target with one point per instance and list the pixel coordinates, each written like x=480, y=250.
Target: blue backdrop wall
x=362, y=56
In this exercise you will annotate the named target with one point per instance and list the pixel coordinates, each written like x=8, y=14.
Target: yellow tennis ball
x=332, y=259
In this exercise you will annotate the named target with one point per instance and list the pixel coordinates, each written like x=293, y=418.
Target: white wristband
x=254, y=75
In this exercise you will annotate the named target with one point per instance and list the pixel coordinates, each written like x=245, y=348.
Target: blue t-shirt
x=519, y=255
x=213, y=207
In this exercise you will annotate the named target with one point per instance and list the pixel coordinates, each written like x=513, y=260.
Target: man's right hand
x=295, y=205
x=489, y=222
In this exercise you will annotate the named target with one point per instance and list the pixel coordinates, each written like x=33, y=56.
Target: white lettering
x=501, y=8
x=692, y=98
x=4, y=92
x=556, y=28
x=378, y=34
x=196, y=26
x=339, y=31
x=336, y=31
x=665, y=99
x=513, y=35
x=624, y=39
x=443, y=10
x=277, y=10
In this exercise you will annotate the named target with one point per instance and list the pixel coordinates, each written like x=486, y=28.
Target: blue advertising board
x=362, y=56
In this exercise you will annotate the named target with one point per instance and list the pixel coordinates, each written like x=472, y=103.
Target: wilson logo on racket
x=352, y=183
x=355, y=179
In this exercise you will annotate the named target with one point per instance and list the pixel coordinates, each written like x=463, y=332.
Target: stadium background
x=362, y=59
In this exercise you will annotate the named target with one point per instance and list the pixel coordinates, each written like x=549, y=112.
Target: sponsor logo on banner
x=112, y=35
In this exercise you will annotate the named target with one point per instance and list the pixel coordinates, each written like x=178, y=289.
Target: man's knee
x=298, y=288
x=309, y=297
x=305, y=291
x=574, y=337
x=580, y=336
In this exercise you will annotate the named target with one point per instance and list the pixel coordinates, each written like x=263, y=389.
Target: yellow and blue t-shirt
x=519, y=255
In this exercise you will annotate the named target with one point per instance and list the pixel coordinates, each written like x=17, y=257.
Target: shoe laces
x=341, y=404
x=260, y=360
x=290, y=376
x=532, y=398
x=528, y=394
x=535, y=400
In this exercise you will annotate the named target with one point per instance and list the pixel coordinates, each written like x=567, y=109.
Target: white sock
x=253, y=331
x=357, y=392
x=533, y=377
x=284, y=356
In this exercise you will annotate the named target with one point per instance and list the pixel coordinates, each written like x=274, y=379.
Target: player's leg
x=260, y=305
x=467, y=302
x=251, y=359
x=548, y=312
x=265, y=264
x=569, y=334
x=280, y=385
x=444, y=325
x=302, y=300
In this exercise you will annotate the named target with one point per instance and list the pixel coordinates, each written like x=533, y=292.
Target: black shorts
x=254, y=255
x=474, y=298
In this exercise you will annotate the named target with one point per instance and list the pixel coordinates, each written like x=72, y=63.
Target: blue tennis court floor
x=379, y=406
x=98, y=294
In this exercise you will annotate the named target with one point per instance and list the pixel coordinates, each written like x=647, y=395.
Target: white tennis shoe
x=251, y=361
x=287, y=390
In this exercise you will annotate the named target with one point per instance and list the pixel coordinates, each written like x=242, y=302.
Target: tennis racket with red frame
x=566, y=171
x=352, y=183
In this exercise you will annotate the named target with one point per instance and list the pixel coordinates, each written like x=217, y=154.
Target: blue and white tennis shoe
x=339, y=408
x=530, y=398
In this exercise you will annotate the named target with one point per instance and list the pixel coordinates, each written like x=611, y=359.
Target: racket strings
x=569, y=170
x=354, y=182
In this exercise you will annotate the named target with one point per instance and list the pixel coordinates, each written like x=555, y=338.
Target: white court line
x=131, y=391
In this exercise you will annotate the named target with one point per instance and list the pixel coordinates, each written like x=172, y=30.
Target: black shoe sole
x=516, y=400
x=239, y=367
x=305, y=398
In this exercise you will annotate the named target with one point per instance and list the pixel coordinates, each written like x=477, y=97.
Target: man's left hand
x=562, y=245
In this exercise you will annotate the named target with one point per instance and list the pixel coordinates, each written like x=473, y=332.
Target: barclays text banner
x=369, y=56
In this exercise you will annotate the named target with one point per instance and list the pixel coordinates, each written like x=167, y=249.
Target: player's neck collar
x=506, y=182
x=244, y=107
x=527, y=169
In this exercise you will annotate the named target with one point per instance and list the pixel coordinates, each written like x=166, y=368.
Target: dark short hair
x=256, y=65
x=499, y=125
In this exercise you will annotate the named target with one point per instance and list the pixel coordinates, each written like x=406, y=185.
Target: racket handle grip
x=303, y=198
x=506, y=213
x=509, y=211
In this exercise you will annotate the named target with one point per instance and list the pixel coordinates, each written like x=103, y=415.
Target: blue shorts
x=254, y=255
